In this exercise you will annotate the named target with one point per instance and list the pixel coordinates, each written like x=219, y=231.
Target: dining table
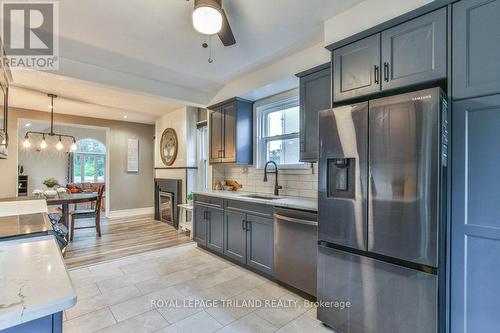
x=65, y=199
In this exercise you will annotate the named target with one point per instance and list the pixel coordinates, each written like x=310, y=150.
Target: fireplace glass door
x=166, y=207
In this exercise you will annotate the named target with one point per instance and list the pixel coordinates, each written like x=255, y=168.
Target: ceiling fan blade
x=226, y=34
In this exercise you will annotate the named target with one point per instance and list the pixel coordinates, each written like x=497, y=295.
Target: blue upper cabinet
x=356, y=69
x=476, y=48
x=415, y=51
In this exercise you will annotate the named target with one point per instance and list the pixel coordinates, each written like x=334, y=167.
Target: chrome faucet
x=276, y=186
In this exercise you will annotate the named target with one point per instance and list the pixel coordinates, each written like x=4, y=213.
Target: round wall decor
x=168, y=146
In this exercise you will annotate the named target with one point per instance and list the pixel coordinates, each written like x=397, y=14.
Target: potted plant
x=50, y=183
x=190, y=199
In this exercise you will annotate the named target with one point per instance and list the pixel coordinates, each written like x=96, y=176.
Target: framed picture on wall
x=133, y=155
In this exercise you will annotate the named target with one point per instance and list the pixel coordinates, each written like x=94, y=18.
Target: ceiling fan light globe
x=207, y=20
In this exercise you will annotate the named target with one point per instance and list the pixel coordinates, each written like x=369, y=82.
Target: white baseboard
x=114, y=214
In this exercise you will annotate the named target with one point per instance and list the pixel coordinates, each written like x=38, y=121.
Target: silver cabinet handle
x=294, y=220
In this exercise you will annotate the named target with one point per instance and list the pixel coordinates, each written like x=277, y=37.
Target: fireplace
x=168, y=194
x=166, y=207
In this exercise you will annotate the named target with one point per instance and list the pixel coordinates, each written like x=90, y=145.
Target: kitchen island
x=35, y=285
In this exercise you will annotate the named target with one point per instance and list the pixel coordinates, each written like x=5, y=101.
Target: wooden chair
x=88, y=213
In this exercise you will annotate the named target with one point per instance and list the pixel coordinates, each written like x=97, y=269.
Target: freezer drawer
x=384, y=297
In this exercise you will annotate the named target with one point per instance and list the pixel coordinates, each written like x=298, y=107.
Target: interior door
x=404, y=176
x=216, y=135
x=343, y=173
x=229, y=138
x=356, y=69
x=415, y=51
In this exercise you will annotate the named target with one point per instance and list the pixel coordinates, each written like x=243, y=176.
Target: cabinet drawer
x=208, y=200
x=250, y=207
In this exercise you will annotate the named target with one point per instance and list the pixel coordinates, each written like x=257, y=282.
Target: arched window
x=89, y=161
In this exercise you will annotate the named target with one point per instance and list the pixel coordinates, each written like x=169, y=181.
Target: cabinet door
x=356, y=69
x=229, y=139
x=476, y=48
x=475, y=215
x=315, y=95
x=415, y=51
x=260, y=244
x=200, y=225
x=215, y=227
x=216, y=136
x=235, y=236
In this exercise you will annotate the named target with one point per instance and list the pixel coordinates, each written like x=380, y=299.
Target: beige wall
x=126, y=190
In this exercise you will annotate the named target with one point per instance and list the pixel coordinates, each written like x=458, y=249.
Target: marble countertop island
x=34, y=282
x=280, y=201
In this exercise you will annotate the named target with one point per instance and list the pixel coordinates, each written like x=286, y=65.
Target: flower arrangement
x=50, y=182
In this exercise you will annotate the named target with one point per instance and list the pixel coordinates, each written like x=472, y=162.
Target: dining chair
x=88, y=213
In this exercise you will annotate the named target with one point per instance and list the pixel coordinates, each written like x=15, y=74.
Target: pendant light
x=43, y=143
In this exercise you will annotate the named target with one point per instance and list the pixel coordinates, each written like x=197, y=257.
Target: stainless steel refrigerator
x=382, y=172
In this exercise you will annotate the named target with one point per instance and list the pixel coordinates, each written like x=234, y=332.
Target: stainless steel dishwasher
x=296, y=248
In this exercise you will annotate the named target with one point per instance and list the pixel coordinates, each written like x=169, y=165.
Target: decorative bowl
x=61, y=190
x=50, y=194
x=228, y=188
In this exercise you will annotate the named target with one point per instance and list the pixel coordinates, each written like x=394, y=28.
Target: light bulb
x=26, y=143
x=4, y=142
x=43, y=144
x=207, y=20
x=59, y=145
x=73, y=147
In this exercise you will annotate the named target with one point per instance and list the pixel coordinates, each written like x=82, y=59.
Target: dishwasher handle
x=295, y=220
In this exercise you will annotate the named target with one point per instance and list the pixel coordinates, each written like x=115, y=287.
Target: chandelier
x=43, y=143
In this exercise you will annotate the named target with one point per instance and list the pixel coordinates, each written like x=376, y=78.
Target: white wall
x=183, y=121
x=365, y=15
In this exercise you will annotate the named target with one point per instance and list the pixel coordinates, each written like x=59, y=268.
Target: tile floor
x=189, y=286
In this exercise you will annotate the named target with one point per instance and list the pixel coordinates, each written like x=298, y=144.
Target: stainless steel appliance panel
x=296, y=249
x=383, y=297
x=343, y=175
x=404, y=164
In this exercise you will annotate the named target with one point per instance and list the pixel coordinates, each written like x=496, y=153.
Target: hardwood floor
x=120, y=238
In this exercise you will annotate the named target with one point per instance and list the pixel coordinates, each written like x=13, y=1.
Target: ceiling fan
x=209, y=19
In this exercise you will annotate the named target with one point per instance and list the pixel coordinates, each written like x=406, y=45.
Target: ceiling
x=144, y=56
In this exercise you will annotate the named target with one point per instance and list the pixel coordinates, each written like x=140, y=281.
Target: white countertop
x=287, y=202
x=22, y=207
x=34, y=282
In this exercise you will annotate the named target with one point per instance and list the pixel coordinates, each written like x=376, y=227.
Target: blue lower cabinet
x=48, y=324
x=241, y=232
x=475, y=218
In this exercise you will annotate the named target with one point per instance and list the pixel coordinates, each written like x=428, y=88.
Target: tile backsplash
x=295, y=182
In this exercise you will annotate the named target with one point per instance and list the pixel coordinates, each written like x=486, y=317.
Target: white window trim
x=261, y=108
x=95, y=155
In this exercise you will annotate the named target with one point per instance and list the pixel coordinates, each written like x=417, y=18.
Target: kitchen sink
x=259, y=196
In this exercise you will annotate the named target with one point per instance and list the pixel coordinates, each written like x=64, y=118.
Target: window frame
x=262, y=109
x=83, y=155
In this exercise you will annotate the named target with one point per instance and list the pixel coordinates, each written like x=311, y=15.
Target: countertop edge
x=275, y=203
x=24, y=315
